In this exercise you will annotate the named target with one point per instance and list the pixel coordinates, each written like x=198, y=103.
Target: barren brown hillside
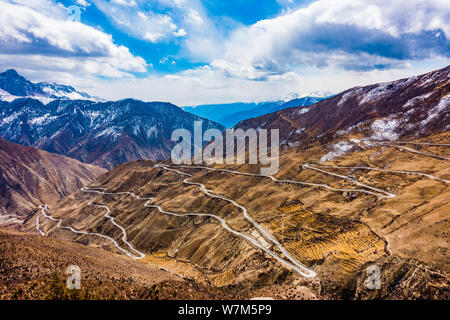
x=30, y=177
x=363, y=182
x=34, y=267
x=403, y=227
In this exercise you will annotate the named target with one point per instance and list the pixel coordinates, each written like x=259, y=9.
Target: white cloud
x=136, y=21
x=130, y=3
x=180, y=33
x=83, y=3
x=47, y=7
x=185, y=22
x=31, y=39
x=350, y=34
x=328, y=45
x=140, y=20
x=207, y=85
x=194, y=16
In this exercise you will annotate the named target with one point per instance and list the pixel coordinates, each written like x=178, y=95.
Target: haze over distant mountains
x=231, y=114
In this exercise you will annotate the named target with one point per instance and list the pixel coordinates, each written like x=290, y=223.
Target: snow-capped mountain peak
x=290, y=96
x=14, y=86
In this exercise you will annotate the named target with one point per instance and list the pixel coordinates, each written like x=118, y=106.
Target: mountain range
x=100, y=133
x=231, y=114
x=407, y=108
x=14, y=86
x=362, y=182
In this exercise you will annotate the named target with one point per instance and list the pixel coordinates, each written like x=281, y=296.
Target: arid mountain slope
x=34, y=267
x=411, y=107
x=341, y=202
x=30, y=177
x=328, y=223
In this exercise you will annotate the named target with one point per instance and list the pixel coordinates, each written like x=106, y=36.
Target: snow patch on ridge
x=339, y=149
x=386, y=89
x=111, y=131
x=152, y=131
x=349, y=129
x=10, y=219
x=416, y=100
x=434, y=112
x=6, y=96
x=348, y=95
x=46, y=118
x=302, y=111
x=378, y=92
x=384, y=129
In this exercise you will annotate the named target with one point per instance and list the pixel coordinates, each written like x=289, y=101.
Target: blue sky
x=210, y=51
x=166, y=54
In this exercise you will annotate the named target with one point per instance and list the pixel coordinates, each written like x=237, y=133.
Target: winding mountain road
x=387, y=170
x=292, y=263
x=396, y=145
x=380, y=193
x=422, y=153
x=423, y=143
x=301, y=269
x=139, y=255
x=384, y=193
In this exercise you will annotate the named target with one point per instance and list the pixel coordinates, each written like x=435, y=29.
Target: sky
x=192, y=52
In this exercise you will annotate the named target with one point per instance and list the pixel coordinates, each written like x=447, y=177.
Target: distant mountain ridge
x=105, y=134
x=230, y=114
x=268, y=108
x=411, y=107
x=216, y=112
x=14, y=86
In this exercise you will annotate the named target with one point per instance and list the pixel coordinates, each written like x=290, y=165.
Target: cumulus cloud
x=165, y=21
x=83, y=3
x=325, y=45
x=207, y=85
x=133, y=18
x=156, y=21
x=351, y=34
x=39, y=36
